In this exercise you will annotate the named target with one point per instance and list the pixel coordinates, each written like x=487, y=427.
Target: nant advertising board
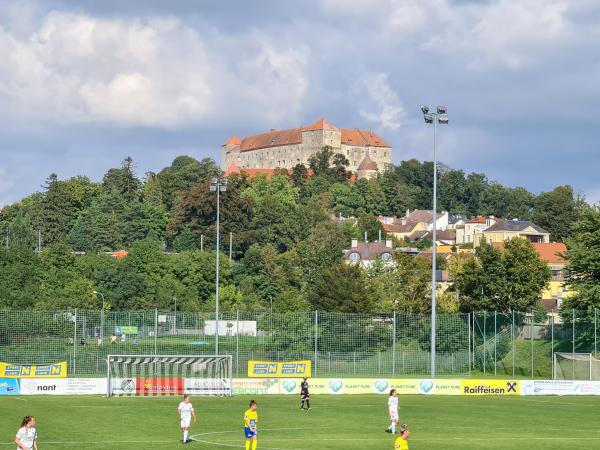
x=63, y=386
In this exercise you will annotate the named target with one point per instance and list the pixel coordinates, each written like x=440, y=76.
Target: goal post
x=575, y=366
x=152, y=375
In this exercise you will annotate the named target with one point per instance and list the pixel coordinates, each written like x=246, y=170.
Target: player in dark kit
x=304, y=395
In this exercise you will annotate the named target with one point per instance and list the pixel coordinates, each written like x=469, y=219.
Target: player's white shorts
x=185, y=423
x=393, y=415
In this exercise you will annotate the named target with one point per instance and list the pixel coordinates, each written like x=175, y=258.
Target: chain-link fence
x=351, y=345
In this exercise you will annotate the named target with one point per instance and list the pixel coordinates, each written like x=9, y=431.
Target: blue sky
x=85, y=84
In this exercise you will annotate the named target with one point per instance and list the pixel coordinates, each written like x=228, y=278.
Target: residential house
x=366, y=253
x=465, y=233
x=414, y=224
x=503, y=230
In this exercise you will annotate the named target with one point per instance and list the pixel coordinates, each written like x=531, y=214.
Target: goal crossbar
x=151, y=375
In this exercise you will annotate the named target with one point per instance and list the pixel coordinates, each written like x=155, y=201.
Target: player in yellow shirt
x=401, y=442
x=250, y=421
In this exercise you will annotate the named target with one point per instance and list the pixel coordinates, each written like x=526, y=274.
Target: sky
x=85, y=84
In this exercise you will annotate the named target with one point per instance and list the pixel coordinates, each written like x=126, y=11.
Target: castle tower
x=318, y=135
x=367, y=168
x=230, y=152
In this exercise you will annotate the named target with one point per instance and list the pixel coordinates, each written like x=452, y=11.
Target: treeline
x=286, y=249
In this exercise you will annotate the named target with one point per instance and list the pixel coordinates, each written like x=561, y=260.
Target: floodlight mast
x=435, y=118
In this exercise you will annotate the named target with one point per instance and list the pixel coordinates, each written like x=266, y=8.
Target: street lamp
x=438, y=117
x=101, y=316
x=218, y=185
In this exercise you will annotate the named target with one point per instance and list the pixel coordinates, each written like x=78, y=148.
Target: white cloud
x=158, y=72
x=387, y=112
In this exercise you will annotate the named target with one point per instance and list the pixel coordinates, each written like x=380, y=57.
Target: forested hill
x=175, y=205
x=286, y=249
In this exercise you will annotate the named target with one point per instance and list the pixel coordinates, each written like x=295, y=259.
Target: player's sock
x=308, y=404
x=302, y=404
x=393, y=427
x=185, y=436
x=254, y=444
x=247, y=445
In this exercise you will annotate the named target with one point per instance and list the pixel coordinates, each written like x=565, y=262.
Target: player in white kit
x=393, y=411
x=186, y=413
x=26, y=438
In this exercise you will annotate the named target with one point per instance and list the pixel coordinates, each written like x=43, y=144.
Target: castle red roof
x=367, y=164
x=276, y=138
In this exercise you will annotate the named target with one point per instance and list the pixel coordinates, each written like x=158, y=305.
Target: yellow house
x=504, y=230
x=403, y=231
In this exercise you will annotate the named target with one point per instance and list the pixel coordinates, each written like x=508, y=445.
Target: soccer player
x=393, y=411
x=401, y=442
x=186, y=412
x=304, y=394
x=250, y=421
x=27, y=435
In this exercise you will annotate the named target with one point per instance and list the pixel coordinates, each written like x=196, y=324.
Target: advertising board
x=490, y=387
x=56, y=370
x=9, y=386
x=279, y=369
x=159, y=386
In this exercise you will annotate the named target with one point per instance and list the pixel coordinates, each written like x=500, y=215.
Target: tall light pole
x=439, y=116
x=218, y=185
x=101, y=316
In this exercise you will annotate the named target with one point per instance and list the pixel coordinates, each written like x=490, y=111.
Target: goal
x=152, y=375
x=575, y=366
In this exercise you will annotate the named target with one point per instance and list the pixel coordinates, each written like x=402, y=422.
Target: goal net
x=576, y=366
x=151, y=375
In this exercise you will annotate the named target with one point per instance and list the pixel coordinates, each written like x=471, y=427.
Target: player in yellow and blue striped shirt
x=250, y=421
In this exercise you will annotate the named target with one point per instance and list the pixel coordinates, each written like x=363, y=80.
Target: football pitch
x=336, y=422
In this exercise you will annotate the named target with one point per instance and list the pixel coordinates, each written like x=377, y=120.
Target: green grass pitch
x=336, y=422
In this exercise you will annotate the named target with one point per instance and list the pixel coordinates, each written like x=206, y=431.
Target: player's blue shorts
x=250, y=433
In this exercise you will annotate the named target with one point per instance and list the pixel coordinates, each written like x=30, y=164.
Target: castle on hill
x=367, y=153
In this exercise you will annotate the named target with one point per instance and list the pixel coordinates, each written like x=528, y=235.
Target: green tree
x=501, y=279
x=371, y=226
x=583, y=270
x=152, y=192
x=184, y=242
x=183, y=173
x=123, y=181
x=341, y=288
x=557, y=211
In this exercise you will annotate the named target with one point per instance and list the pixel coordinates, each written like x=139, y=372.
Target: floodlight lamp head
x=424, y=109
x=441, y=110
x=443, y=120
x=428, y=118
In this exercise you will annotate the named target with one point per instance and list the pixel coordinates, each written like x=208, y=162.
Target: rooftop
x=276, y=138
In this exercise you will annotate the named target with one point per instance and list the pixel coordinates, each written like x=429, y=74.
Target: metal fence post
x=484, y=342
x=513, y=337
x=237, y=342
x=75, y=344
x=316, y=341
x=495, y=339
x=394, y=347
x=469, y=339
x=573, y=350
x=531, y=337
x=155, y=332
x=552, y=345
x=595, y=328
